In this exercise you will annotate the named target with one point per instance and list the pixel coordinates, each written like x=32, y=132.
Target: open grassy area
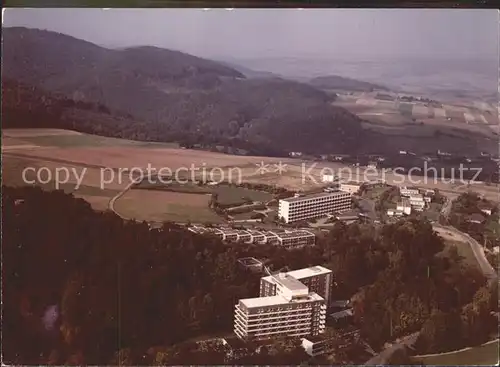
x=159, y=206
x=89, y=189
x=82, y=140
x=233, y=195
x=189, y=187
x=243, y=216
x=227, y=195
x=484, y=355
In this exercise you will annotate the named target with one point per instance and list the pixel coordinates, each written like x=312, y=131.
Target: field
x=159, y=206
x=484, y=355
x=93, y=157
x=231, y=195
x=392, y=113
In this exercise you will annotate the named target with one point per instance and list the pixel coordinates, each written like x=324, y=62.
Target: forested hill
x=185, y=95
x=86, y=288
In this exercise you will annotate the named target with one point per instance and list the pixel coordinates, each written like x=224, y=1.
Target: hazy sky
x=253, y=33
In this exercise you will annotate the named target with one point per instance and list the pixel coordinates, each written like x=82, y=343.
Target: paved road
x=486, y=268
x=477, y=249
x=111, y=204
x=382, y=357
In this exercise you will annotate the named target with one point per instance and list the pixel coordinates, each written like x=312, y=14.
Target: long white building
x=287, y=238
x=313, y=206
x=286, y=308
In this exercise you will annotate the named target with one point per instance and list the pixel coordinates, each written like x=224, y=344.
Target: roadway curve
x=111, y=204
x=383, y=357
x=488, y=270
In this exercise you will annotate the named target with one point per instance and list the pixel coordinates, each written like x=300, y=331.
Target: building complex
x=313, y=206
x=287, y=238
x=286, y=306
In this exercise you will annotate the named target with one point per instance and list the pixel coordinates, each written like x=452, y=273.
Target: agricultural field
x=383, y=112
x=96, y=160
x=99, y=155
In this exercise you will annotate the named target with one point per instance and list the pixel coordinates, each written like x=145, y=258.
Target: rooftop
x=288, y=281
x=309, y=272
x=341, y=314
x=408, y=188
x=315, y=338
x=357, y=183
x=255, y=233
x=293, y=234
x=277, y=300
x=340, y=303
x=314, y=196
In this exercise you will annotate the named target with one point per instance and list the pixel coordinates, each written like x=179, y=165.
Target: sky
x=277, y=33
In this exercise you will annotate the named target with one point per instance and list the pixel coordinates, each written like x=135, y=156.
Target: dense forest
x=174, y=95
x=86, y=287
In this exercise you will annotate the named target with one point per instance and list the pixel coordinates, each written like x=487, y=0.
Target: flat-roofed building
x=229, y=234
x=315, y=345
x=408, y=191
x=295, y=238
x=294, y=312
x=417, y=202
x=244, y=236
x=318, y=279
x=271, y=238
x=251, y=263
x=404, y=206
x=352, y=187
x=257, y=237
x=313, y=206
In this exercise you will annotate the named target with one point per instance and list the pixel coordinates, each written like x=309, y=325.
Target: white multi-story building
x=292, y=311
x=351, y=187
x=317, y=278
x=417, y=202
x=404, y=206
x=408, y=191
x=313, y=206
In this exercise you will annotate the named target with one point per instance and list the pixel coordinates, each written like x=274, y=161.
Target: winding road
x=111, y=204
x=488, y=270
